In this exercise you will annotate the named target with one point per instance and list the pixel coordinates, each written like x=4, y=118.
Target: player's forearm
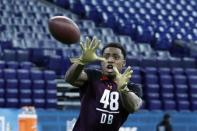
x=73, y=73
x=131, y=101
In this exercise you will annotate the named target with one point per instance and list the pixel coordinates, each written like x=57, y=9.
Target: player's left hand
x=122, y=79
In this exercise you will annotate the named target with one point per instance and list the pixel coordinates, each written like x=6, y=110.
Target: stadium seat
x=12, y=102
x=191, y=71
x=150, y=79
x=39, y=102
x=183, y=105
x=49, y=75
x=154, y=105
x=181, y=88
x=165, y=79
x=169, y=105
x=177, y=71
x=192, y=79
x=167, y=88
x=164, y=71
x=12, y=64
x=36, y=74
x=26, y=65
x=2, y=88
x=23, y=74
x=22, y=55
x=9, y=55
x=180, y=79
x=153, y=88
x=9, y=73
x=136, y=79
x=25, y=102
x=167, y=96
x=11, y=88
x=2, y=64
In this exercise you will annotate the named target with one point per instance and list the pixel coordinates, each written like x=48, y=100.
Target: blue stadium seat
x=2, y=64
x=193, y=88
x=12, y=64
x=181, y=97
x=165, y=79
x=51, y=103
x=22, y=55
x=191, y=71
x=177, y=71
x=167, y=96
x=11, y=88
x=136, y=79
x=26, y=65
x=25, y=88
x=152, y=96
x=192, y=79
x=9, y=55
x=167, y=88
x=180, y=79
x=39, y=102
x=154, y=105
x=150, y=70
x=153, y=88
x=2, y=88
x=9, y=73
x=12, y=102
x=164, y=71
x=36, y=74
x=169, y=105
x=25, y=102
x=179, y=88
x=49, y=75
x=183, y=105
x=150, y=79
x=23, y=74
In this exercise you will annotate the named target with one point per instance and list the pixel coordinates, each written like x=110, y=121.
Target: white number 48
x=111, y=99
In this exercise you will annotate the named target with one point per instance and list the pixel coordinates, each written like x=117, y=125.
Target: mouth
x=109, y=66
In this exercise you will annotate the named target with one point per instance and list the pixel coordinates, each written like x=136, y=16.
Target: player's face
x=114, y=57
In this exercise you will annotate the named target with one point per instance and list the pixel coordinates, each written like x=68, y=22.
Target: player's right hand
x=88, y=52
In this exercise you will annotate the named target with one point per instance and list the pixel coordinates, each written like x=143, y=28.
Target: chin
x=110, y=74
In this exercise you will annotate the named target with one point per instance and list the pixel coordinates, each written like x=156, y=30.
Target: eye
x=106, y=56
x=116, y=57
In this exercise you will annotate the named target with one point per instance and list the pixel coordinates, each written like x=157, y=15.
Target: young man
x=107, y=97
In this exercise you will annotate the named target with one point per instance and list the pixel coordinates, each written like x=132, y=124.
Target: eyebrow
x=113, y=54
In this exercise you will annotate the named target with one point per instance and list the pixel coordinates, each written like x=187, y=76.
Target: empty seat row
x=33, y=74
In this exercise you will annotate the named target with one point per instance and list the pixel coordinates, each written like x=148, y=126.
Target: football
x=64, y=29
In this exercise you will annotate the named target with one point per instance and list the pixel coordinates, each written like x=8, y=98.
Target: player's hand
x=123, y=79
x=88, y=52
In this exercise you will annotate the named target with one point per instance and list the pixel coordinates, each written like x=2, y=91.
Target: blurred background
x=160, y=37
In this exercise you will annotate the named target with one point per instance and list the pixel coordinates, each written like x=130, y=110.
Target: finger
x=128, y=77
x=74, y=60
x=82, y=46
x=93, y=42
x=127, y=70
x=101, y=58
x=116, y=70
x=96, y=45
x=87, y=43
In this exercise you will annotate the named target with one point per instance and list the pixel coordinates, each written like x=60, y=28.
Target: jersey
x=101, y=107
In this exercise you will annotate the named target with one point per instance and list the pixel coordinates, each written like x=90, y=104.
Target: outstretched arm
x=130, y=100
x=75, y=74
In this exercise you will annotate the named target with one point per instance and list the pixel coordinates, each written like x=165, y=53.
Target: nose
x=110, y=60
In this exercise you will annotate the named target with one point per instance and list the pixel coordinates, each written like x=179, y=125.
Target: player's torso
x=103, y=105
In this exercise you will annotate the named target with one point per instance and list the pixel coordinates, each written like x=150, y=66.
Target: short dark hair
x=115, y=45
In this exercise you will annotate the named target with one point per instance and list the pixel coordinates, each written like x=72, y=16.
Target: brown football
x=64, y=29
